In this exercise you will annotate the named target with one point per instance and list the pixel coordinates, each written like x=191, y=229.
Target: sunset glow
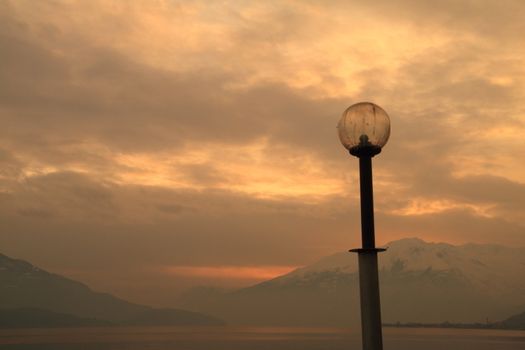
x=252, y=273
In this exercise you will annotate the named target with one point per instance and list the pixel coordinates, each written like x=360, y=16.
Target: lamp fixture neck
x=365, y=151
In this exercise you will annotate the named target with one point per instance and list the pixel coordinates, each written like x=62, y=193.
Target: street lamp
x=364, y=129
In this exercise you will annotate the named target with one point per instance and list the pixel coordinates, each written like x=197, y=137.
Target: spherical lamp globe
x=364, y=129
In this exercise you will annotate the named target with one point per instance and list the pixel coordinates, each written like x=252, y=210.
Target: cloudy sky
x=150, y=146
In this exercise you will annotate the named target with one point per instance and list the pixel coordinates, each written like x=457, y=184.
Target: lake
x=253, y=338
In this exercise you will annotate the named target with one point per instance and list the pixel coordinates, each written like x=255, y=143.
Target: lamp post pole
x=367, y=256
x=364, y=129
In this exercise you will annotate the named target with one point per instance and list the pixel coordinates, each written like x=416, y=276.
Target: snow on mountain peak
x=486, y=266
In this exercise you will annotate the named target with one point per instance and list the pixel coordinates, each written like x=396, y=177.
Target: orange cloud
x=257, y=169
x=230, y=272
x=421, y=206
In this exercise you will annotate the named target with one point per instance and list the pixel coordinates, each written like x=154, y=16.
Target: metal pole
x=367, y=202
x=368, y=269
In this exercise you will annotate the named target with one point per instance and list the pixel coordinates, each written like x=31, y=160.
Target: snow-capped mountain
x=420, y=282
x=491, y=268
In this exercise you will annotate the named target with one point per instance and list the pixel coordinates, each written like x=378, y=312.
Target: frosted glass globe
x=364, y=128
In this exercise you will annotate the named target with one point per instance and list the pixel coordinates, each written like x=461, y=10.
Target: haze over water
x=246, y=338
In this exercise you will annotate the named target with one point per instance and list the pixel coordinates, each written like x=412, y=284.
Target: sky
x=147, y=147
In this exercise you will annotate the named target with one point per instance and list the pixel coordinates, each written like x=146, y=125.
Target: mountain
x=23, y=285
x=514, y=322
x=420, y=282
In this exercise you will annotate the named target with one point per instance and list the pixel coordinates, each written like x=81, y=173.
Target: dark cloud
x=35, y=212
x=10, y=166
x=98, y=94
x=174, y=208
x=63, y=194
x=454, y=225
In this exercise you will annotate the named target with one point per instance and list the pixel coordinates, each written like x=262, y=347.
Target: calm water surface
x=245, y=338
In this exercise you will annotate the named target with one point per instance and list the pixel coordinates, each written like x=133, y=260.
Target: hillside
x=514, y=322
x=23, y=286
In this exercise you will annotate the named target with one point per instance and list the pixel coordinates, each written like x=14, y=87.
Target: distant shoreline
x=495, y=325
